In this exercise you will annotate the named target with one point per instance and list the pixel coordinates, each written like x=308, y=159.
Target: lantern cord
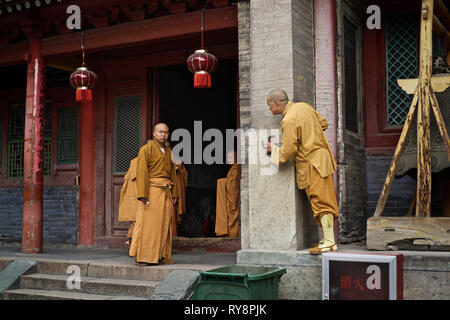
x=82, y=45
x=203, y=21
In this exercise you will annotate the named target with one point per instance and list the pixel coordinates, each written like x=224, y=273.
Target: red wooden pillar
x=33, y=151
x=325, y=56
x=87, y=174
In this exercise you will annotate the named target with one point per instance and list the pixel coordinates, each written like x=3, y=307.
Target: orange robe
x=155, y=176
x=227, y=204
x=180, y=206
x=128, y=203
x=303, y=138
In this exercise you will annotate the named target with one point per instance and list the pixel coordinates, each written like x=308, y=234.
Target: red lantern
x=83, y=80
x=202, y=64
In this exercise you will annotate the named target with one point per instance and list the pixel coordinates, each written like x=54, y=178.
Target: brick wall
x=60, y=215
x=244, y=103
x=401, y=193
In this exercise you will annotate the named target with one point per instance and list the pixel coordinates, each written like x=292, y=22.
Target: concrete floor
x=112, y=256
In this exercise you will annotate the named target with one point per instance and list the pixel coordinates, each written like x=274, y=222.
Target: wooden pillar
x=32, y=227
x=87, y=174
x=423, y=204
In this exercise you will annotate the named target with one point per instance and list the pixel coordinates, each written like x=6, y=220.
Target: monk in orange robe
x=181, y=182
x=128, y=203
x=303, y=139
x=227, y=202
x=157, y=193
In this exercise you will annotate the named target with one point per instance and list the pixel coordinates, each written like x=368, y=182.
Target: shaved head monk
x=227, y=201
x=157, y=192
x=303, y=139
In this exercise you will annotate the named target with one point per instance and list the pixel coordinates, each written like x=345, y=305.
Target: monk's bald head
x=278, y=95
x=161, y=126
x=277, y=99
x=161, y=133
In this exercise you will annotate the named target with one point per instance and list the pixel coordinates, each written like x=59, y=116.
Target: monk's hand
x=174, y=201
x=144, y=201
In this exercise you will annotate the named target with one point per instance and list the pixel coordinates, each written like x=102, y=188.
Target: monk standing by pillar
x=155, y=177
x=128, y=203
x=227, y=203
x=303, y=138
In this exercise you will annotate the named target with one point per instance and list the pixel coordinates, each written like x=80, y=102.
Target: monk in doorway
x=157, y=193
x=227, y=203
x=303, y=138
x=128, y=203
x=181, y=182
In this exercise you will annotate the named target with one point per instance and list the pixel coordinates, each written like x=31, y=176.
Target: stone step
x=109, y=269
x=104, y=286
x=34, y=294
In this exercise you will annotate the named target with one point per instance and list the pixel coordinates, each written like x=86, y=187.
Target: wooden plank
x=396, y=158
x=439, y=83
x=384, y=232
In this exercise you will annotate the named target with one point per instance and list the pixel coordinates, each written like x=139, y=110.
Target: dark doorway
x=180, y=105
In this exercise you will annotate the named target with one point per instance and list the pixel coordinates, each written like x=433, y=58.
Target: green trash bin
x=239, y=282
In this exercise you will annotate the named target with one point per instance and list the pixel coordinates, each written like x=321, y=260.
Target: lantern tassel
x=202, y=80
x=84, y=95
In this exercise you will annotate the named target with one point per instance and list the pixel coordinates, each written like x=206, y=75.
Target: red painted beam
x=33, y=177
x=132, y=33
x=87, y=174
x=13, y=54
x=129, y=33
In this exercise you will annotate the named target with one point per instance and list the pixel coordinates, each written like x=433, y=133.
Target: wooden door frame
x=129, y=89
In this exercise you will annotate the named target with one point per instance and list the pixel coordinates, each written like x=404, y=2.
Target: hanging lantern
x=202, y=63
x=83, y=80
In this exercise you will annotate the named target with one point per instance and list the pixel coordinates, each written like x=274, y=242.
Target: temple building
x=329, y=53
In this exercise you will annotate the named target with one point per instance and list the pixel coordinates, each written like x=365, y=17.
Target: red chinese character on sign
x=346, y=282
x=357, y=284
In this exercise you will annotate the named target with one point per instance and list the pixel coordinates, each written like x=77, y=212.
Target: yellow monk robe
x=152, y=234
x=128, y=203
x=227, y=204
x=303, y=137
x=180, y=206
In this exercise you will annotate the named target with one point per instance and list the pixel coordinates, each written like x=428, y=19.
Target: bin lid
x=252, y=272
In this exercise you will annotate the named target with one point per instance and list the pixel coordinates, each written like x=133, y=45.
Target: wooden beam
x=440, y=30
x=439, y=83
x=439, y=120
x=129, y=33
x=396, y=158
x=423, y=204
x=442, y=13
x=13, y=54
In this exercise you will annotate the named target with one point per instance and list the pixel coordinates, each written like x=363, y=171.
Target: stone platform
x=426, y=274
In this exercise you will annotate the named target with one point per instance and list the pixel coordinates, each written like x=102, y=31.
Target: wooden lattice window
x=401, y=63
x=127, y=132
x=67, y=135
x=16, y=133
x=16, y=130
